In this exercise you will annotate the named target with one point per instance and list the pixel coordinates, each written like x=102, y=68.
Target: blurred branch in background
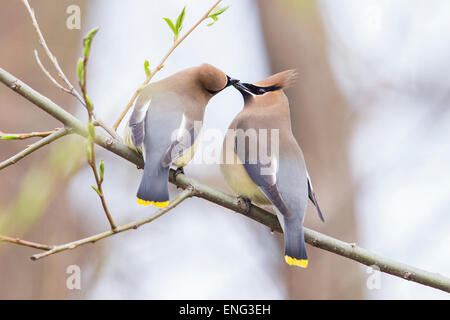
x=35, y=146
x=320, y=124
x=187, y=193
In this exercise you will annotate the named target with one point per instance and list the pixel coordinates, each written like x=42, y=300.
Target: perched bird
x=166, y=123
x=271, y=172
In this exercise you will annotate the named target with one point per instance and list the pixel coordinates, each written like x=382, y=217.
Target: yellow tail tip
x=296, y=262
x=156, y=204
x=160, y=204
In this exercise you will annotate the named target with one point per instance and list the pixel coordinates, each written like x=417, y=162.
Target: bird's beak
x=241, y=87
x=251, y=88
x=231, y=81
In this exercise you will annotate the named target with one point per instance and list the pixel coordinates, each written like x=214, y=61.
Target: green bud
x=88, y=41
x=91, y=129
x=96, y=190
x=102, y=170
x=9, y=137
x=80, y=70
x=147, y=69
x=89, y=150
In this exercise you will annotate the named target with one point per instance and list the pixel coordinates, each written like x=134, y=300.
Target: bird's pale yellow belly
x=240, y=182
x=187, y=156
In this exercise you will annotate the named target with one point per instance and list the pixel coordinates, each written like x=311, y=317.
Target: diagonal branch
x=314, y=238
x=161, y=64
x=35, y=146
x=133, y=225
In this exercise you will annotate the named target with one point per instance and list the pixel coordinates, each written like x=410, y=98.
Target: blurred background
x=370, y=110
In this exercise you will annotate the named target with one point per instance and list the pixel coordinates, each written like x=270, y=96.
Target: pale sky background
x=400, y=152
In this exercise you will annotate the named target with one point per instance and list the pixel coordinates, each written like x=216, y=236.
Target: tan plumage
x=165, y=125
x=283, y=180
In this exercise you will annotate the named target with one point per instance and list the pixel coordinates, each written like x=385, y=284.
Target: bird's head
x=213, y=79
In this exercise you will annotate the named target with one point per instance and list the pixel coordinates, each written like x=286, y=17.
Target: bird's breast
x=240, y=182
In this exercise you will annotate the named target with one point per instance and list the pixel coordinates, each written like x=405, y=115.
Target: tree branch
x=50, y=55
x=66, y=118
x=25, y=243
x=71, y=90
x=23, y=136
x=133, y=225
x=314, y=238
x=35, y=146
x=161, y=64
x=49, y=75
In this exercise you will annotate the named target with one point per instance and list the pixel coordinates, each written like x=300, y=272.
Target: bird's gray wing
x=312, y=197
x=137, y=119
x=183, y=138
x=263, y=170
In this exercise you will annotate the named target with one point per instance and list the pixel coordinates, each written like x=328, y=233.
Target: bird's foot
x=247, y=202
x=179, y=170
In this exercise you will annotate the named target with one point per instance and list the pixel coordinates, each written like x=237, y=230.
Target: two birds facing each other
x=164, y=127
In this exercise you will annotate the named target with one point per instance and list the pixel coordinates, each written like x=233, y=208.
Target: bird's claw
x=179, y=170
x=247, y=202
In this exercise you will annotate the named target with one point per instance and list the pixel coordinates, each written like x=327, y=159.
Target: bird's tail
x=295, y=249
x=154, y=187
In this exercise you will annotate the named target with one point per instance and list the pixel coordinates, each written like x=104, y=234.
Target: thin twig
x=111, y=132
x=35, y=146
x=23, y=136
x=100, y=193
x=56, y=83
x=66, y=118
x=161, y=64
x=25, y=243
x=314, y=238
x=91, y=145
x=133, y=225
x=71, y=89
x=49, y=53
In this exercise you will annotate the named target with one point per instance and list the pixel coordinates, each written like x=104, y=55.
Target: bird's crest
x=281, y=80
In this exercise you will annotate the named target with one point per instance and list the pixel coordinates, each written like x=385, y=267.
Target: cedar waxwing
x=277, y=177
x=166, y=123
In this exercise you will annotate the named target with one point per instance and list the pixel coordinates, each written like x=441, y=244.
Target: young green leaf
x=89, y=150
x=102, y=170
x=180, y=19
x=91, y=130
x=90, y=106
x=216, y=12
x=96, y=190
x=147, y=69
x=80, y=70
x=172, y=26
x=88, y=41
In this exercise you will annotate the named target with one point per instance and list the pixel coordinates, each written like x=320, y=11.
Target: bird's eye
x=261, y=91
